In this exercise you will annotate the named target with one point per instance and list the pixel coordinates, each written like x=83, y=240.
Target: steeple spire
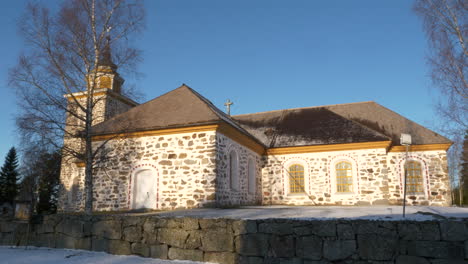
x=106, y=56
x=107, y=75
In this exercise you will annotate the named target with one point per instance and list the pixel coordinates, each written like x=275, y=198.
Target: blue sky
x=267, y=55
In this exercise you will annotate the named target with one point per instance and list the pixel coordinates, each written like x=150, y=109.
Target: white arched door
x=144, y=189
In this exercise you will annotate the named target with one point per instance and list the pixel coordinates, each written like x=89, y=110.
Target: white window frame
x=333, y=176
x=286, y=177
x=423, y=173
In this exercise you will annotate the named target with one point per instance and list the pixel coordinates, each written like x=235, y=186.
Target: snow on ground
x=391, y=213
x=34, y=255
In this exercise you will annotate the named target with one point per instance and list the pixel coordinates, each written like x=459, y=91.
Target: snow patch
x=387, y=213
x=36, y=255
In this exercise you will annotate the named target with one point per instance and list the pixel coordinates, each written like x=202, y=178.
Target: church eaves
x=306, y=127
x=387, y=122
x=336, y=124
x=179, y=108
x=310, y=126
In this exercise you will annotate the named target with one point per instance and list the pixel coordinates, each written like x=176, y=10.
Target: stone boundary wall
x=230, y=241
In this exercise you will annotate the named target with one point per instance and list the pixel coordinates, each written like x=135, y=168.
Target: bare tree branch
x=65, y=51
x=446, y=25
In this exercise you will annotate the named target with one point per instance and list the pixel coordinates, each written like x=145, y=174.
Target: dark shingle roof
x=178, y=108
x=305, y=127
x=333, y=124
x=387, y=122
x=182, y=107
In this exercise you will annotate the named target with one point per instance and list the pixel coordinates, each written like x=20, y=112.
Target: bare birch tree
x=64, y=52
x=446, y=25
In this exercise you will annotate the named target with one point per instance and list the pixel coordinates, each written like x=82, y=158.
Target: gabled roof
x=322, y=125
x=181, y=107
x=335, y=124
x=305, y=127
x=387, y=122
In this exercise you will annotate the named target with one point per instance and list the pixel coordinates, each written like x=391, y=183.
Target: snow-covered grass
x=391, y=213
x=34, y=255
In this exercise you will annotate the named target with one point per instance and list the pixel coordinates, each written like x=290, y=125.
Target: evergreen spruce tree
x=9, y=177
x=48, y=168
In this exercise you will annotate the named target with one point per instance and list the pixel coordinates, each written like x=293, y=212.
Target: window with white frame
x=296, y=178
x=233, y=170
x=414, y=177
x=344, y=177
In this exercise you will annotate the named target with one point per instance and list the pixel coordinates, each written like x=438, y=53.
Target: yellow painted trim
x=427, y=147
x=157, y=132
x=223, y=128
x=331, y=147
x=234, y=134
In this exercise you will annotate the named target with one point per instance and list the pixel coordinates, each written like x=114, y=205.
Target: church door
x=144, y=190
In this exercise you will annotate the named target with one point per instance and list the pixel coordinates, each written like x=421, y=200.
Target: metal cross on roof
x=228, y=106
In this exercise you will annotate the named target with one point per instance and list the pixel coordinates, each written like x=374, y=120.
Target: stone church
x=180, y=151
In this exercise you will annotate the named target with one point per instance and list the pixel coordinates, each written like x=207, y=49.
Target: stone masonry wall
x=71, y=174
x=377, y=178
x=71, y=197
x=184, y=165
x=436, y=186
x=225, y=196
x=230, y=241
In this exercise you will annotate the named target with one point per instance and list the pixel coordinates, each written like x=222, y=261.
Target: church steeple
x=107, y=76
x=106, y=56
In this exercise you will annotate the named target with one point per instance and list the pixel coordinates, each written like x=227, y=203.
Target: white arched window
x=296, y=178
x=344, y=177
x=252, y=176
x=233, y=170
x=414, y=178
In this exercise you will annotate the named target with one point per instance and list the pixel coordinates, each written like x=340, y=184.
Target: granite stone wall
x=183, y=166
x=193, y=170
x=435, y=172
x=377, y=178
x=230, y=241
x=226, y=196
x=71, y=196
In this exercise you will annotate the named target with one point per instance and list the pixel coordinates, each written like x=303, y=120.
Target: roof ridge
x=201, y=97
x=306, y=107
x=116, y=117
x=223, y=116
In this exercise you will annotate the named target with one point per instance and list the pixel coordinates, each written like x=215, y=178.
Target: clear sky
x=267, y=55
